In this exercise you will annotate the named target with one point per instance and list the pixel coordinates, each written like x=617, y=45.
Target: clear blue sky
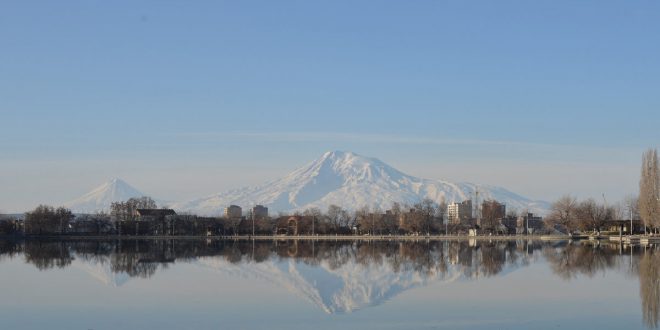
x=184, y=99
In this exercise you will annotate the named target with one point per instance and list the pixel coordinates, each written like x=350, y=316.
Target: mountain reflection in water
x=344, y=276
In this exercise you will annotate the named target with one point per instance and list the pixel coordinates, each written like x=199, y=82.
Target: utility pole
x=526, y=224
x=477, y=210
x=606, y=212
x=631, y=224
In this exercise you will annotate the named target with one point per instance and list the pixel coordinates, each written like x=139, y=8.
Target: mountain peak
x=101, y=197
x=118, y=182
x=339, y=155
x=349, y=158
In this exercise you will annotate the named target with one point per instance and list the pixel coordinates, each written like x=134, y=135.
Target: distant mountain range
x=341, y=178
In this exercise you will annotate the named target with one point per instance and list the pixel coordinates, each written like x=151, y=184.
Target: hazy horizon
x=167, y=199
x=184, y=100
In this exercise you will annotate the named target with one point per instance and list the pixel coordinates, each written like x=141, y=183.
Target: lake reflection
x=351, y=278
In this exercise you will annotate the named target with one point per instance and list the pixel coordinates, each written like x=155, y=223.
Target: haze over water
x=200, y=284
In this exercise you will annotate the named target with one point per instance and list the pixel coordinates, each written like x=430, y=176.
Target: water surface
x=200, y=284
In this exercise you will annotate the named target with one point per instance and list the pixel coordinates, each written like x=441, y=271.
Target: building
x=459, y=212
x=529, y=223
x=233, y=212
x=154, y=214
x=493, y=210
x=624, y=226
x=260, y=212
x=510, y=223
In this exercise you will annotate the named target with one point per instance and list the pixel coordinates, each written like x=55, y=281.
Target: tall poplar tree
x=649, y=189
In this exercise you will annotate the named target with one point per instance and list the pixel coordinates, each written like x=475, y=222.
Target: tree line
x=588, y=215
x=123, y=219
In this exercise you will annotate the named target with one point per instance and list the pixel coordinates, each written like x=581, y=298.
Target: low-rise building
x=154, y=214
x=529, y=224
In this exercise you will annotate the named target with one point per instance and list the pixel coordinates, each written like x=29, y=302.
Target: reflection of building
x=459, y=212
x=233, y=212
x=260, y=212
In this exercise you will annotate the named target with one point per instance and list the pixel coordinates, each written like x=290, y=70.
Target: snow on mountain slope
x=352, y=181
x=101, y=271
x=357, y=282
x=335, y=290
x=100, y=198
x=351, y=287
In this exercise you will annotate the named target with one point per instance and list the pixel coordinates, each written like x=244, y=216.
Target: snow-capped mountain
x=100, y=198
x=352, y=181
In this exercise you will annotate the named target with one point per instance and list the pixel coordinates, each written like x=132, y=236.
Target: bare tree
x=562, y=213
x=47, y=220
x=338, y=218
x=334, y=215
x=592, y=216
x=314, y=214
x=649, y=189
x=491, y=213
x=363, y=220
x=413, y=221
x=430, y=211
x=124, y=211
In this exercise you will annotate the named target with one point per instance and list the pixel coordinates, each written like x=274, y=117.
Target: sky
x=184, y=99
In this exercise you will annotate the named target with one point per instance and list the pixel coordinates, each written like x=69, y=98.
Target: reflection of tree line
x=143, y=258
x=572, y=260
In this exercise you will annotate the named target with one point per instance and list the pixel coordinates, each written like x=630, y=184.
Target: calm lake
x=200, y=284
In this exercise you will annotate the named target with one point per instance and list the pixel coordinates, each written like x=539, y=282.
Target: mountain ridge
x=351, y=181
x=342, y=178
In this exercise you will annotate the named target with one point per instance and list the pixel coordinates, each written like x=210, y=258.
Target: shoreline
x=302, y=238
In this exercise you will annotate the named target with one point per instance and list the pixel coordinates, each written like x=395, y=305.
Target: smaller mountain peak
x=100, y=198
